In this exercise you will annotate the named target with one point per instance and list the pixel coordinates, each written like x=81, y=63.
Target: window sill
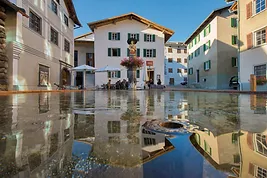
x=206, y=70
x=33, y=31
x=258, y=13
x=258, y=46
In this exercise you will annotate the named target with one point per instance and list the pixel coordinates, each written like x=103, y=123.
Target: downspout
x=238, y=52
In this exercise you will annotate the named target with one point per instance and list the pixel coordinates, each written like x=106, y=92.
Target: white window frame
x=207, y=67
x=259, y=172
x=258, y=66
x=114, y=74
x=169, y=70
x=257, y=141
x=133, y=35
x=149, y=52
x=262, y=3
x=114, y=36
x=112, y=55
x=38, y=17
x=149, y=38
x=262, y=35
x=56, y=5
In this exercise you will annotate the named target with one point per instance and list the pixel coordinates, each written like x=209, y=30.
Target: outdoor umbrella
x=83, y=68
x=108, y=69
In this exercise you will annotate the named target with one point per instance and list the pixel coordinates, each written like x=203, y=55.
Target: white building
x=40, y=48
x=212, y=50
x=111, y=46
x=84, y=54
x=175, y=63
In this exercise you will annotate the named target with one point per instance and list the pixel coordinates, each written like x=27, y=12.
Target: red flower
x=132, y=62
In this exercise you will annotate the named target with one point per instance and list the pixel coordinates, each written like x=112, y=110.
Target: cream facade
x=84, y=54
x=111, y=46
x=212, y=51
x=175, y=63
x=253, y=50
x=40, y=48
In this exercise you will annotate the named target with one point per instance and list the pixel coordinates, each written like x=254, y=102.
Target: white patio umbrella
x=108, y=69
x=83, y=68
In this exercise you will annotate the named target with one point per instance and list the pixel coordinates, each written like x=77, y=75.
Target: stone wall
x=3, y=56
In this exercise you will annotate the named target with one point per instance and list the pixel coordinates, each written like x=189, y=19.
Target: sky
x=181, y=16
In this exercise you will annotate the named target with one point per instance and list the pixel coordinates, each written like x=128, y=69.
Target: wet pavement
x=105, y=134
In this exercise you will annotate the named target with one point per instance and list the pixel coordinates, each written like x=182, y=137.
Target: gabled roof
x=132, y=16
x=72, y=13
x=206, y=22
x=88, y=37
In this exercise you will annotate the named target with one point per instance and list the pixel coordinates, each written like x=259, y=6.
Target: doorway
x=150, y=74
x=197, y=77
x=65, y=77
x=171, y=82
x=79, y=79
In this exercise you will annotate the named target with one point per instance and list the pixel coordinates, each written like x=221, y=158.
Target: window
x=149, y=141
x=206, y=46
x=234, y=22
x=185, y=71
x=43, y=75
x=207, y=65
x=114, y=127
x=133, y=35
x=207, y=148
x=115, y=36
x=185, y=51
x=260, y=71
x=54, y=6
x=178, y=50
x=207, y=30
x=114, y=52
x=192, y=56
x=170, y=60
x=170, y=70
x=90, y=59
x=261, y=172
x=66, y=20
x=185, y=60
x=260, y=37
x=234, y=39
x=35, y=22
x=190, y=71
x=149, y=52
x=149, y=38
x=179, y=70
x=260, y=5
x=75, y=58
x=197, y=52
x=261, y=144
x=54, y=36
x=197, y=39
x=179, y=60
x=115, y=74
x=234, y=138
x=66, y=45
x=234, y=62
x=169, y=50
x=236, y=158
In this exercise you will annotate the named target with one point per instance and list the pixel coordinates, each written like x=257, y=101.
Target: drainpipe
x=238, y=52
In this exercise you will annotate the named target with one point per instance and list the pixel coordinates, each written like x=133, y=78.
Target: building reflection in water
x=101, y=133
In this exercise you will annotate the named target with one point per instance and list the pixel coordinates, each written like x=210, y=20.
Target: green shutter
x=138, y=52
x=209, y=28
x=109, y=35
x=128, y=52
x=233, y=62
x=233, y=40
x=109, y=51
x=209, y=44
x=233, y=22
x=153, y=38
x=154, y=52
x=119, y=52
x=119, y=74
x=209, y=65
x=129, y=36
x=204, y=47
x=205, y=32
x=137, y=36
x=109, y=74
x=144, y=37
x=144, y=52
x=204, y=65
x=137, y=73
x=119, y=36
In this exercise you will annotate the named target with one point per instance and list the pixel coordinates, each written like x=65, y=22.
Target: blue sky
x=182, y=16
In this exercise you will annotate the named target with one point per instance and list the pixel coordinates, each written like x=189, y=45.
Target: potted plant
x=261, y=80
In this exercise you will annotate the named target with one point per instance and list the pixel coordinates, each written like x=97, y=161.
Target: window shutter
x=153, y=38
x=154, y=52
x=249, y=41
x=233, y=62
x=209, y=64
x=129, y=36
x=209, y=28
x=233, y=39
x=137, y=73
x=119, y=51
x=109, y=51
x=137, y=36
x=109, y=74
x=232, y=22
x=204, y=32
x=128, y=52
x=138, y=52
x=119, y=74
x=109, y=35
x=204, y=47
x=204, y=65
x=249, y=10
x=144, y=52
x=119, y=36
x=144, y=37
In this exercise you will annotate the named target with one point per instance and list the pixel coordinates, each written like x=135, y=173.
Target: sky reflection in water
x=102, y=134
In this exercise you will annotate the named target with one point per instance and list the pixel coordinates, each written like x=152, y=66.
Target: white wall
x=124, y=27
x=178, y=77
